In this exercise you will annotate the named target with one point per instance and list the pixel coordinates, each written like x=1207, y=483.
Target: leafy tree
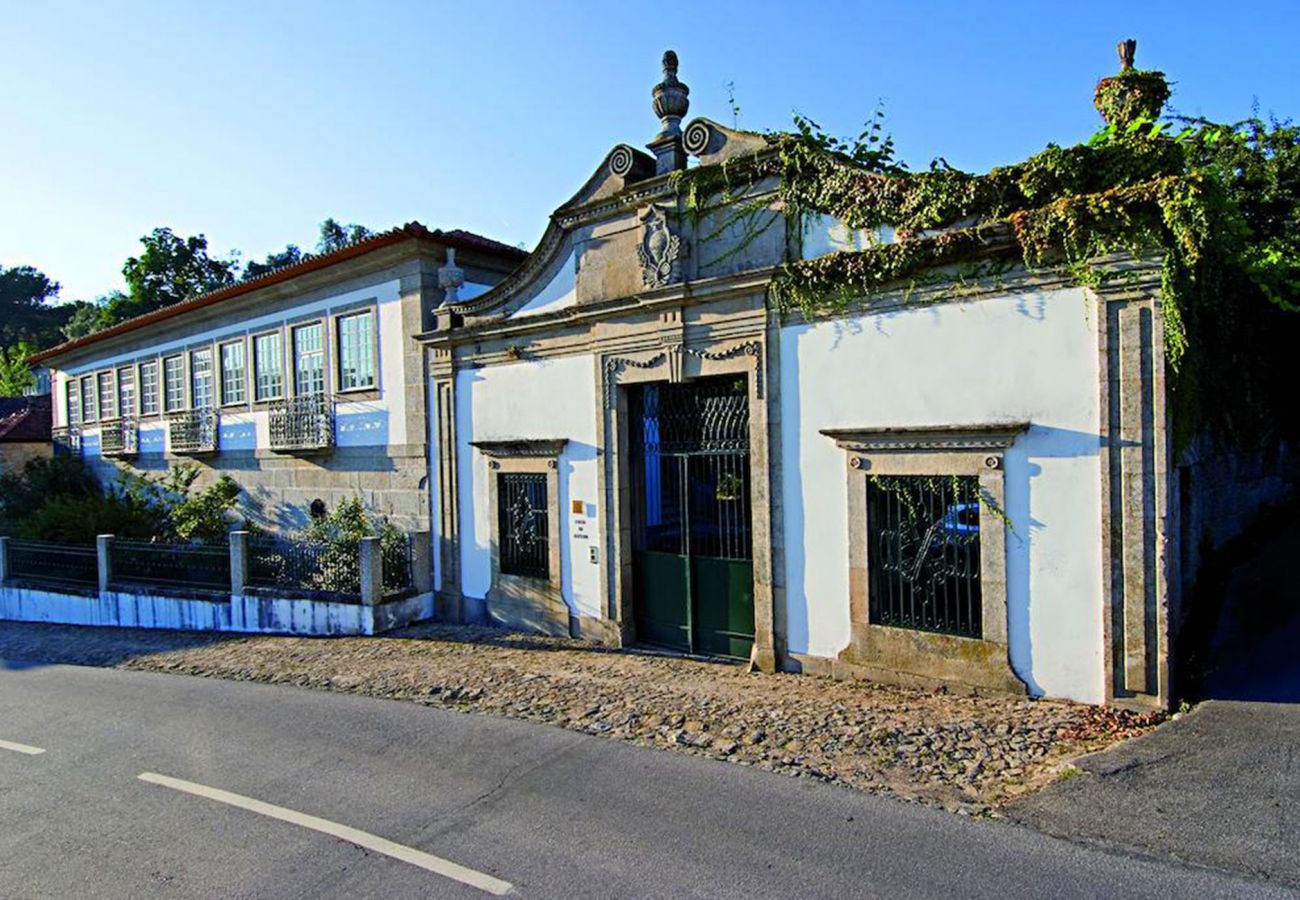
x=27, y=310
x=87, y=318
x=290, y=255
x=172, y=269
x=15, y=375
x=341, y=532
x=334, y=235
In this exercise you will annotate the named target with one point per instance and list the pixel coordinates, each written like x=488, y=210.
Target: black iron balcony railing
x=66, y=439
x=303, y=423
x=193, y=431
x=119, y=438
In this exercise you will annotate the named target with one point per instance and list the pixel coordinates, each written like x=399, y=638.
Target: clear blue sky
x=251, y=122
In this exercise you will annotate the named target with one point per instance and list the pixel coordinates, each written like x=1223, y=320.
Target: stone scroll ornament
x=659, y=250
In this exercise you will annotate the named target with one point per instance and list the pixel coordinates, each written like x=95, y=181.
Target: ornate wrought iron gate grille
x=523, y=544
x=692, y=521
x=923, y=553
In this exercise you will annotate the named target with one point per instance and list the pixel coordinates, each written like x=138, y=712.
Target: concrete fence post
x=421, y=561
x=238, y=562
x=4, y=559
x=104, y=551
x=372, y=571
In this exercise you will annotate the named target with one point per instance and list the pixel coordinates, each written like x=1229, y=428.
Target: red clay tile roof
x=458, y=238
x=25, y=419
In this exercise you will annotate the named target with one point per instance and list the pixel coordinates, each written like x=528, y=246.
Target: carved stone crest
x=659, y=250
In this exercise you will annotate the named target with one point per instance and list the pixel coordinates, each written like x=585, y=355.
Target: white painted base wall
x=1030, y=357
x=262, y=615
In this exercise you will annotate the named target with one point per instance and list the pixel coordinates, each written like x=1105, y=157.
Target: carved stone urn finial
x=1127, y=50
x=671, y=101
x=451, y=278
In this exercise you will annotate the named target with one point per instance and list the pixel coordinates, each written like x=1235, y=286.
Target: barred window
x=356, y=343
x=126, y=392
x=107, y=395
x=174, y=383
x=201, y=378
x=923, y=553
x=232, y=373
x=149, y=388
x=88, y=399
x=268, y=366
x=523, y=543
x=72, y=398
x=308, y=359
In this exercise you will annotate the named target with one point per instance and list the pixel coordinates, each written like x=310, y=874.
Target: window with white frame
x=107, y=395
x=309, y=359
x=149, y=388
x=88, y=399
x=356, y=343
x=268, y=366
x=126, y=392
x=232, y=373
x=72, y=400
x=201, y=378
x=173, y=383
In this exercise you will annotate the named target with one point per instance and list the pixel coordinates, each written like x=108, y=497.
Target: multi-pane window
x=126, y=392
x=268, y=366
x=88, y=399
x=523, y=545
x=149, y=388
x=232, y=373
x=107, y=396
x=923, y=553
x=356, y=342
x=309, y=359
x=173, y=383
x=72, y=397
x=201, y=378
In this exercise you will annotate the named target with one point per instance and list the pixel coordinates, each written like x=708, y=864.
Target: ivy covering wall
x=1216, y=203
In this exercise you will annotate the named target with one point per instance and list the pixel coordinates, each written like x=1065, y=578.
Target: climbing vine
x=1219, y=203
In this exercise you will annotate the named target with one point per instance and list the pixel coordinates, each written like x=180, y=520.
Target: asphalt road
x=551, y=813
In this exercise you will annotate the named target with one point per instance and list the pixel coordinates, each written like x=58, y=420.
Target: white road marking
x=428, y=861
x=21, y=748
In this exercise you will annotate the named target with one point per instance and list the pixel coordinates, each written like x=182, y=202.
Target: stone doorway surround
x=674, y=363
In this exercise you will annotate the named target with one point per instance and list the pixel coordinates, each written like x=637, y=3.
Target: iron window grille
x=193, y=431
x=923, y=553
x=120, y=438
x=523, y=542
x=302, y=423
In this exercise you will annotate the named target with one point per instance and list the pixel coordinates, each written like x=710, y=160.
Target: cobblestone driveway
x=967, y=754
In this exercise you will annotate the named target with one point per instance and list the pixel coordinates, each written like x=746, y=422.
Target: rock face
x=967, y=754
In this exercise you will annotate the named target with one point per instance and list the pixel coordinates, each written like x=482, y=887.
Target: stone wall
x=279, y=488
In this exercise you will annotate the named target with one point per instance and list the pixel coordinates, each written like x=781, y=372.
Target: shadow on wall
x=577, y=452
x=362, y=428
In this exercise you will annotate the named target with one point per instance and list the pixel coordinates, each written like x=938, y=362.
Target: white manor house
x=621, y=437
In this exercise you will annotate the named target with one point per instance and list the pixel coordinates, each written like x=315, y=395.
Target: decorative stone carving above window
x=520, y=447
x=993, y=436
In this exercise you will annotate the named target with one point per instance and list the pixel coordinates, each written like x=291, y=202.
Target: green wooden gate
x=693, y=569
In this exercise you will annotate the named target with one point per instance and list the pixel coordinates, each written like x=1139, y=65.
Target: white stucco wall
x=1027, y=357
x=364, y=423
x=532, y=400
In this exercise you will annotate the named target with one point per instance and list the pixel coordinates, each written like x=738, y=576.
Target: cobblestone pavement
x=966, y=754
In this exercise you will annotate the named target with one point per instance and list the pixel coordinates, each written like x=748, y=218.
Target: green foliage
x=341, y=532
x=334, y=235
x=1218, y=203
x=28, y=311
x=60, y=500
x=15, y=375
x=289, y=256
x=171, y=269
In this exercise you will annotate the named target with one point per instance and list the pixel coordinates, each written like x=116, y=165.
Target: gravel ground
x=966, y=754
